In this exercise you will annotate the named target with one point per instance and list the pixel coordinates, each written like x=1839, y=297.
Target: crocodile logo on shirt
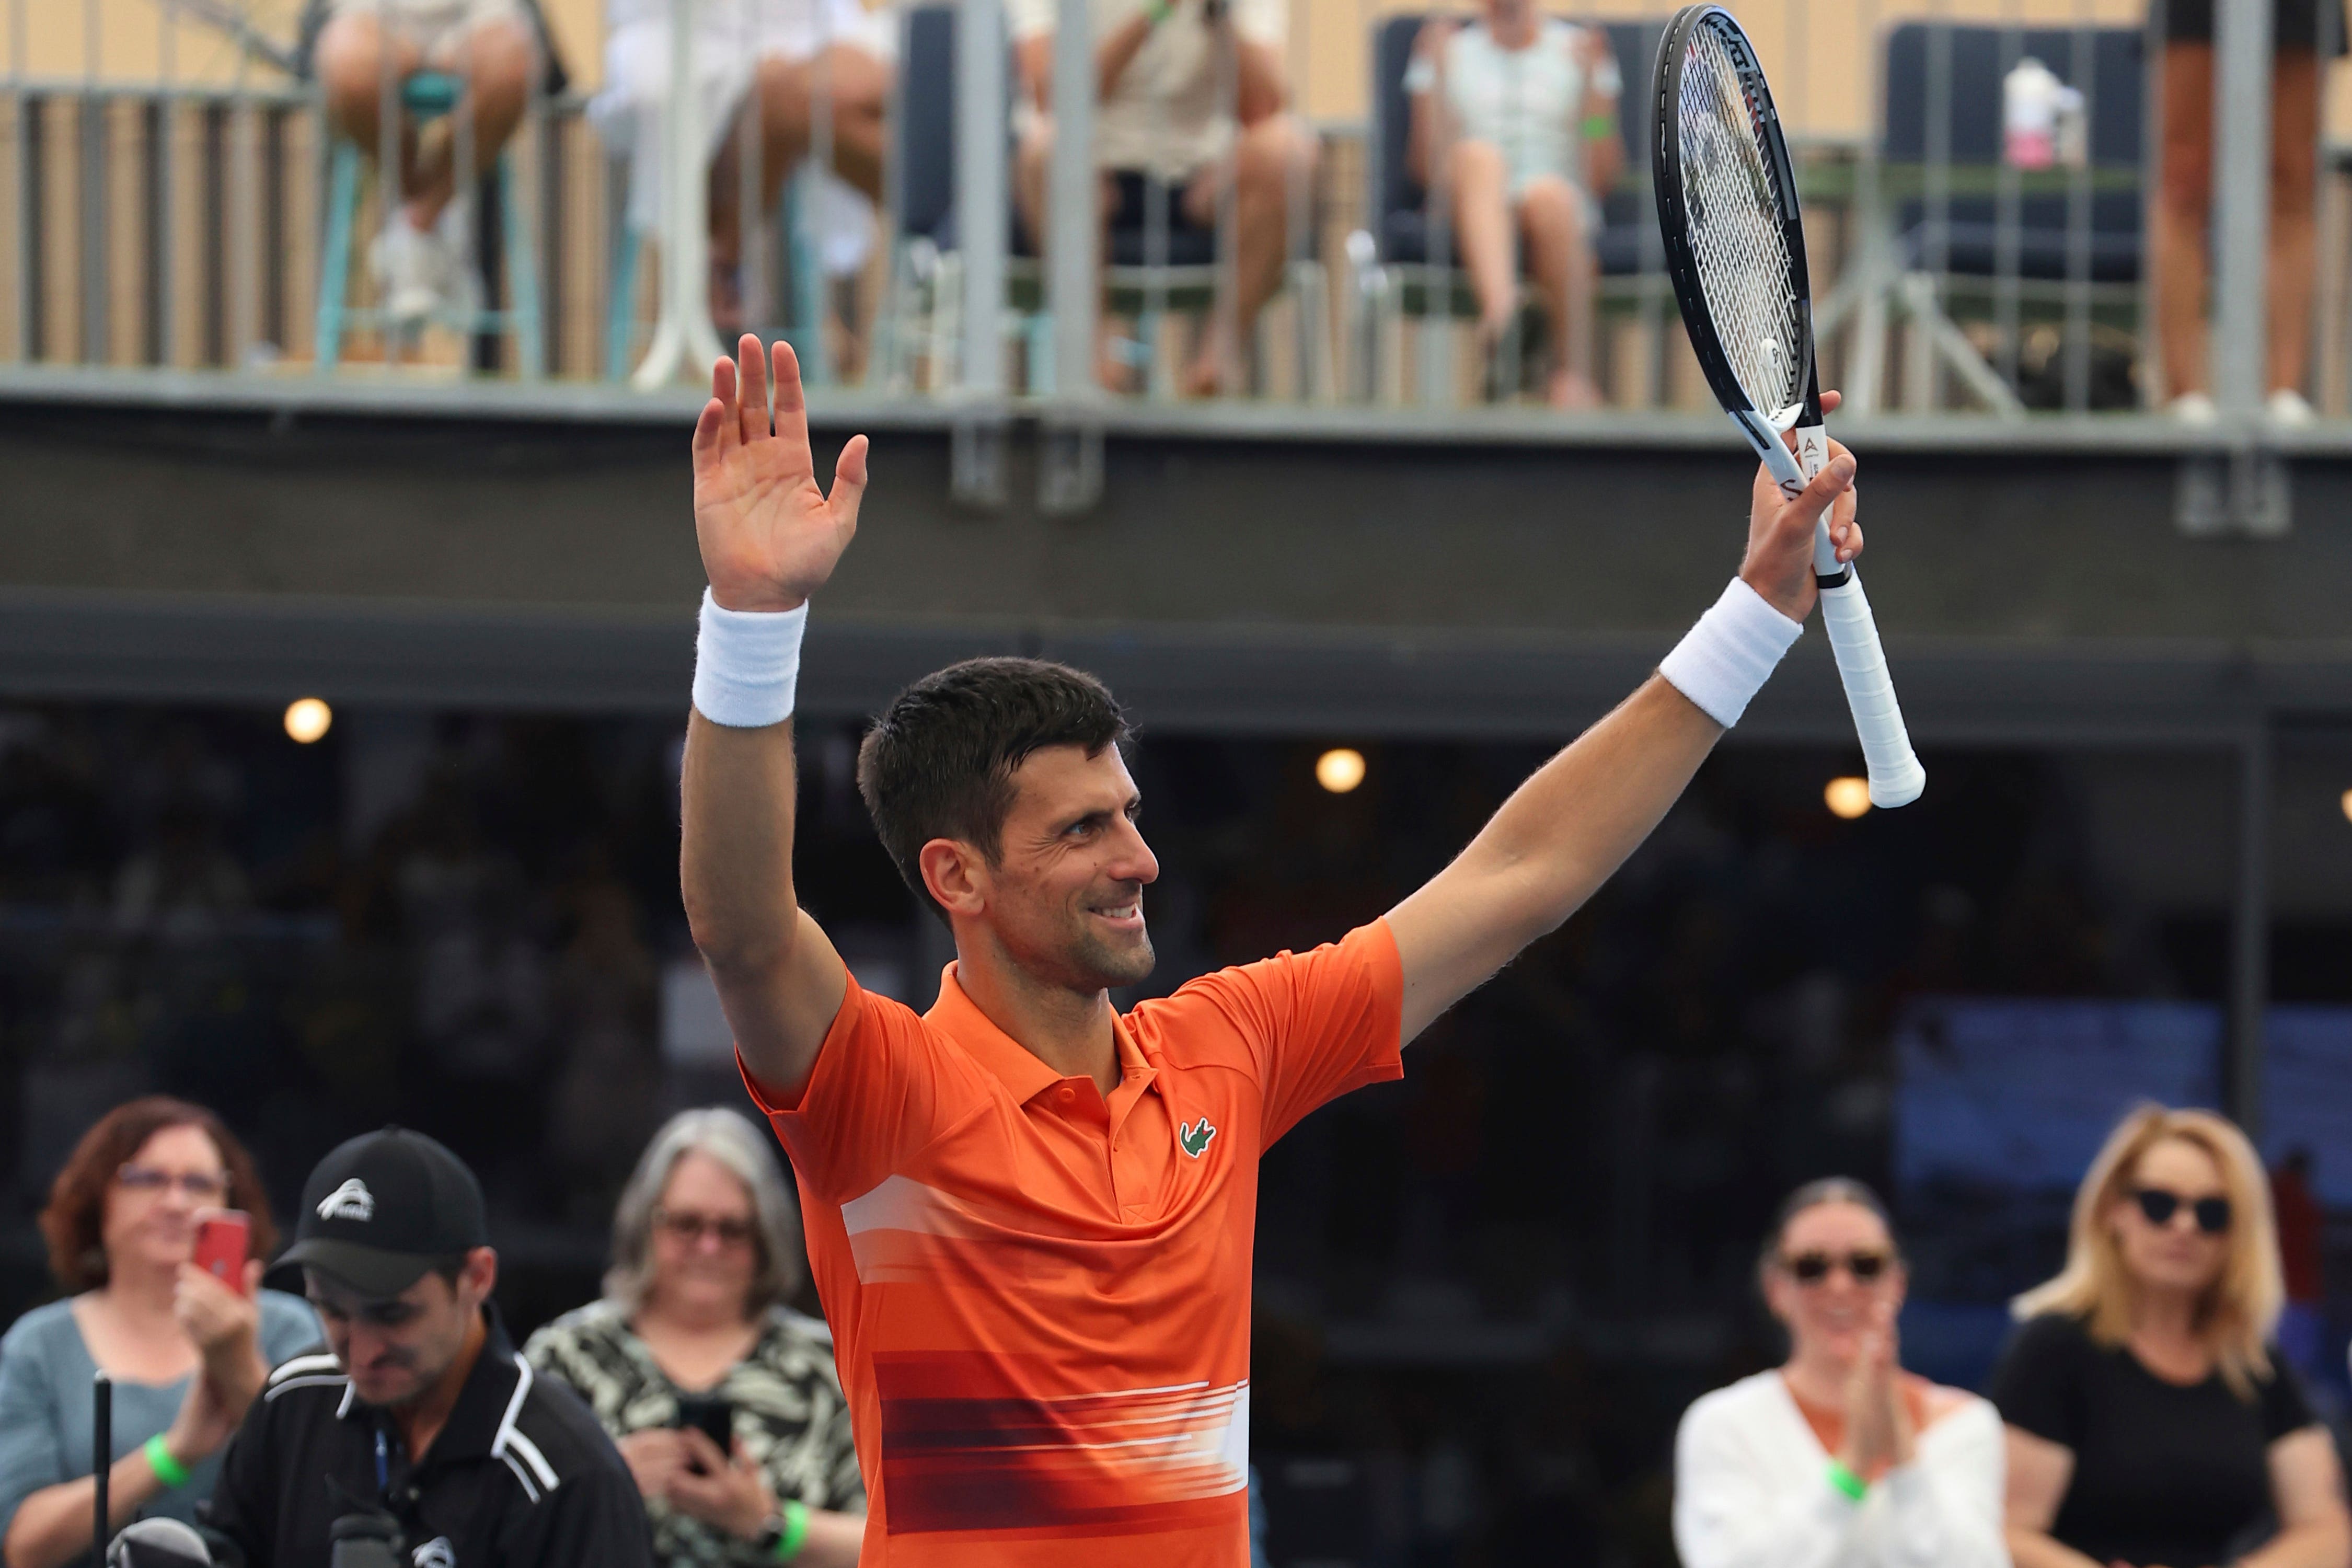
x=1194, y=1140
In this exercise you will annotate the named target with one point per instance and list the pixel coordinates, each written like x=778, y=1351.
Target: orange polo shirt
x=1040, y=1298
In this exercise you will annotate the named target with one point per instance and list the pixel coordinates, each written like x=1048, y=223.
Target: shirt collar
x=1023, y=1073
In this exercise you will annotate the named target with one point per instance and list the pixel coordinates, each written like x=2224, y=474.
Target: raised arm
x=770, y=537
x=1563, y=832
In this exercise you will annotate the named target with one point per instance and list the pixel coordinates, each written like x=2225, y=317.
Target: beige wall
x=1813, y=48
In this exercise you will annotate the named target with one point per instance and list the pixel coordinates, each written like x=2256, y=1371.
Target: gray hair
x=728, y=1138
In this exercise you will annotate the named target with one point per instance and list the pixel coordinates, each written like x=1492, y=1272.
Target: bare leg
x=351, y=67
x=1481, y=232
x=2294, y=229
x=1032, y=166
x=2181, y=206
x=1559, y=258
x=1267, y=157
x=859, y=87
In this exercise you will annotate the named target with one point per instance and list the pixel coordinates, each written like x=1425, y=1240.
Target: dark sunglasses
x=691, y=1228
x=1813, y=1268
x=2159, y=1205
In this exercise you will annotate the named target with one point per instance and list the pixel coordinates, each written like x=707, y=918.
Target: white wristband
x=1723, y=662
x=747, y=664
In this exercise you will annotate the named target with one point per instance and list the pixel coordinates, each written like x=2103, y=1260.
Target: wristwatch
x=781, y=1538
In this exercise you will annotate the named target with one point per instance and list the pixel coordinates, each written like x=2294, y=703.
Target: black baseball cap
x=383, y=1208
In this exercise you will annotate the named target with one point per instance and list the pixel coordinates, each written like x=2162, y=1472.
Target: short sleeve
x=1031, y=18
x=2038, y=1385
x=1264, y=22
x=873, y=1098
x=2285, y=1407
x=31, y=1451
x=1315, y=1025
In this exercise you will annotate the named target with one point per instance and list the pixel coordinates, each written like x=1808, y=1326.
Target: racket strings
x=1738, y=245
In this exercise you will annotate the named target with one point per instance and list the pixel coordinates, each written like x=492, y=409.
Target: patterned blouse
x=790, y=1415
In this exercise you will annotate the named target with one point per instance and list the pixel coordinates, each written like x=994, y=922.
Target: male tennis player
x=1031, y=1218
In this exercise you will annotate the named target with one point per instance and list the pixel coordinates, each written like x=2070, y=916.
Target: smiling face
x=1064, y=897
x=153, y=1204
x=1827, y=1316
x=2176, y=1255
x=706, y=1238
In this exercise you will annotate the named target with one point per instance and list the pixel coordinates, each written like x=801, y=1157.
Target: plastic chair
x=425, y=96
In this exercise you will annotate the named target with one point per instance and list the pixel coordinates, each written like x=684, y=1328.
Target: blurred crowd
x=1484, y=1294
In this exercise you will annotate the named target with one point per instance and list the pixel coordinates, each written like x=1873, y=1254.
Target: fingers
x=848, y=482
x=1835, y=478
x=704, y=1452
x=792, y=404
x=253, y=1269
x=1830, y=400
x=752, y=366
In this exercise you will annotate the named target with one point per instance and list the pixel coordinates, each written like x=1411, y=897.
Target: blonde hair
x=2239, y=1309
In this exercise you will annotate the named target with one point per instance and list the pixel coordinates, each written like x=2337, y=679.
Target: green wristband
x=1846, y=1481
x=795, y=1532
x=1596, y=126
x=168, y=1470
x=1157, y=12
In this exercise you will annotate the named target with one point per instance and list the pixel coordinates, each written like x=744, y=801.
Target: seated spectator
x=186, y=1351
x=784, y=49
x=419, y=1418
x=419, y=259
x=1515, y=117
x=1839, y=1455
x=706, y=1250
x=2150, y=1417
x=1156, y=115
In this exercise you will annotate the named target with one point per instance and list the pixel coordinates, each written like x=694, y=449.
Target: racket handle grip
x=1895, y=776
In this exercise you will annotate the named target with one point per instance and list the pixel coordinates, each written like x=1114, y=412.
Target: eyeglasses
x=1813, y=1268
x=146, y=1178
x=2159, y=1204
x=691, y=1228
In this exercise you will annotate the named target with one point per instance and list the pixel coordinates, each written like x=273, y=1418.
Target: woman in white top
x=1838, y=1459
x=1517, y=113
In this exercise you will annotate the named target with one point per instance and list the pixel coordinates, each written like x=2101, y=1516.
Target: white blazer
x=1753, y=1490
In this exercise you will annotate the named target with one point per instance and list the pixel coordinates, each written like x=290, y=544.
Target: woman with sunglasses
x=186, y=1351
x=2151, y=1422
x=1838, y=1456
x=693, y=1330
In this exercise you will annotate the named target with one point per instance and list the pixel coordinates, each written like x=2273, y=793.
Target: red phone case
x=222, y=1236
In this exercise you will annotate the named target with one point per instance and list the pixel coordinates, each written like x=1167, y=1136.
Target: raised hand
x=1779, y=564
x=770, y=537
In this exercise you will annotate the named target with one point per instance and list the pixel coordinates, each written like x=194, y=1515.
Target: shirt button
x=1067, y=1094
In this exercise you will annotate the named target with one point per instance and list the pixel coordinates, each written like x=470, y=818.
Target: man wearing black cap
x=419, y=1419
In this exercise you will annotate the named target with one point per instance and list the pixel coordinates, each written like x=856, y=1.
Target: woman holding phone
x=186, y=1348
x=723, y=1400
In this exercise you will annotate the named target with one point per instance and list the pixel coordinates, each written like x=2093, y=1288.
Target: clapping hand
x=1878, y=1432
x=770, y=537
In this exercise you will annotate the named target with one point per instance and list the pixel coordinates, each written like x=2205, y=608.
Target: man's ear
x=479, y=1278
x=956, y=876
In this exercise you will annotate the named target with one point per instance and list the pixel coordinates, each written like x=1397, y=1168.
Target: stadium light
x=1340, y=769
x=1848, y=797
x=2346, y=803
x=308, y=718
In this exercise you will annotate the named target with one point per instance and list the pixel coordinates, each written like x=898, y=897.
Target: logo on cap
x=350, y=1200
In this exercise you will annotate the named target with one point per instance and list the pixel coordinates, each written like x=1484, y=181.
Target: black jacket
x=521, y=1476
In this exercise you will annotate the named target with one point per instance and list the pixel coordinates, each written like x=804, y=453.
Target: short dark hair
x=939, y=763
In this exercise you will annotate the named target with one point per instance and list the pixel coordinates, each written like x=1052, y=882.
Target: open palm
x=770, y=537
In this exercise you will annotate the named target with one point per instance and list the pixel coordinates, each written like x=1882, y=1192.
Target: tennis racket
x=1736, y=248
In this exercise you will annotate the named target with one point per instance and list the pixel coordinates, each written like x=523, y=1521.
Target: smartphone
x=714, y=1418
x=222, y=1236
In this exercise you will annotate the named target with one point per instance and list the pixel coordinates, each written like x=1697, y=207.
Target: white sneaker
x=2287, y=406
x=2193, y=408
x=410, y=267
